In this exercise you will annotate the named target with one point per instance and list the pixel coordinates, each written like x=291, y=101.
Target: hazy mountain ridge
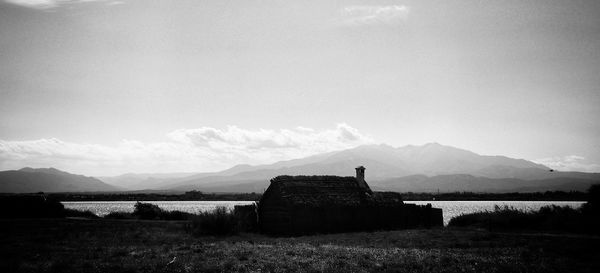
x=382, y=162
x=144, y=181
x=28, y=180
x=410, y=168
x=430, y=167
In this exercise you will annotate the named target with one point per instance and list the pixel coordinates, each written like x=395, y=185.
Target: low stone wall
x=247, y=217
x=334, y=219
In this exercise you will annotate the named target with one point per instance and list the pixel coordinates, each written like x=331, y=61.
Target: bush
x=219, y=222
x=147, y=211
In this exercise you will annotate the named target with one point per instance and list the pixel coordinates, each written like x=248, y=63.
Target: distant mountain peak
x=242, y=166
x=50, y=170
x=433, y=144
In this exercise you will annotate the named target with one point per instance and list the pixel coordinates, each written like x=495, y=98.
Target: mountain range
x=428, y=168
x=27, y=180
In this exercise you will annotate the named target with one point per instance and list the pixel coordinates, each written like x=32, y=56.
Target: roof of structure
x=327, y=190
x=318, y=190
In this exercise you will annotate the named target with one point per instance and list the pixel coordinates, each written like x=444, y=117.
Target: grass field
x=101, y=245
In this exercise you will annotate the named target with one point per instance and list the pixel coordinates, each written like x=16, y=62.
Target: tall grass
x=80, y=214
x=553, y=217
x=218, y=222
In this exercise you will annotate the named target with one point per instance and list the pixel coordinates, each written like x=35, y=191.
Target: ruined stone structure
x=325, y=204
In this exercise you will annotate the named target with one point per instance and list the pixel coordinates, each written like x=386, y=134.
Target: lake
x=102, y=208
x=450, y=208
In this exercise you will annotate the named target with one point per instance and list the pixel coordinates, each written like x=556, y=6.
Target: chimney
x=360, y=178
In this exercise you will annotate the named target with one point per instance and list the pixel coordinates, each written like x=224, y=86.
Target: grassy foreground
x=101, y=245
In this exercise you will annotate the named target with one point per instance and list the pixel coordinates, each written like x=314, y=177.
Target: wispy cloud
x=373, y=15
x=569, y=163
x=114, y=3
x=50, y=4
x=201, y=149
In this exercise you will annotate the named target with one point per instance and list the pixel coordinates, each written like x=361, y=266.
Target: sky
x=109, y=87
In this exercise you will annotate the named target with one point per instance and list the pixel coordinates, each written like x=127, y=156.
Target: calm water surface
x=450, y=208
x=102, y=208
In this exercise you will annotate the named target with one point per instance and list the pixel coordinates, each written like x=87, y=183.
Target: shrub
x=147, y=211
x=220, y=222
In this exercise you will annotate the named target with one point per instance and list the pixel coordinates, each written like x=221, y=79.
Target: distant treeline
x=513, y=196
x=187, y=196
x=407, y=196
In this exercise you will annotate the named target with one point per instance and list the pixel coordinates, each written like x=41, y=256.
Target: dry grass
x=100, y=245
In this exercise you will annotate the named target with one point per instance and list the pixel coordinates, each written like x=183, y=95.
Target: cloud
x=37, y=4
x=187, y=150
x=50, y=4
x=373, y=15
x=114, y=3
x=569, y=163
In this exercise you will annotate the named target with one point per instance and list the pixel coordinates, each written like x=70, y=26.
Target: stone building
x=325, y=204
